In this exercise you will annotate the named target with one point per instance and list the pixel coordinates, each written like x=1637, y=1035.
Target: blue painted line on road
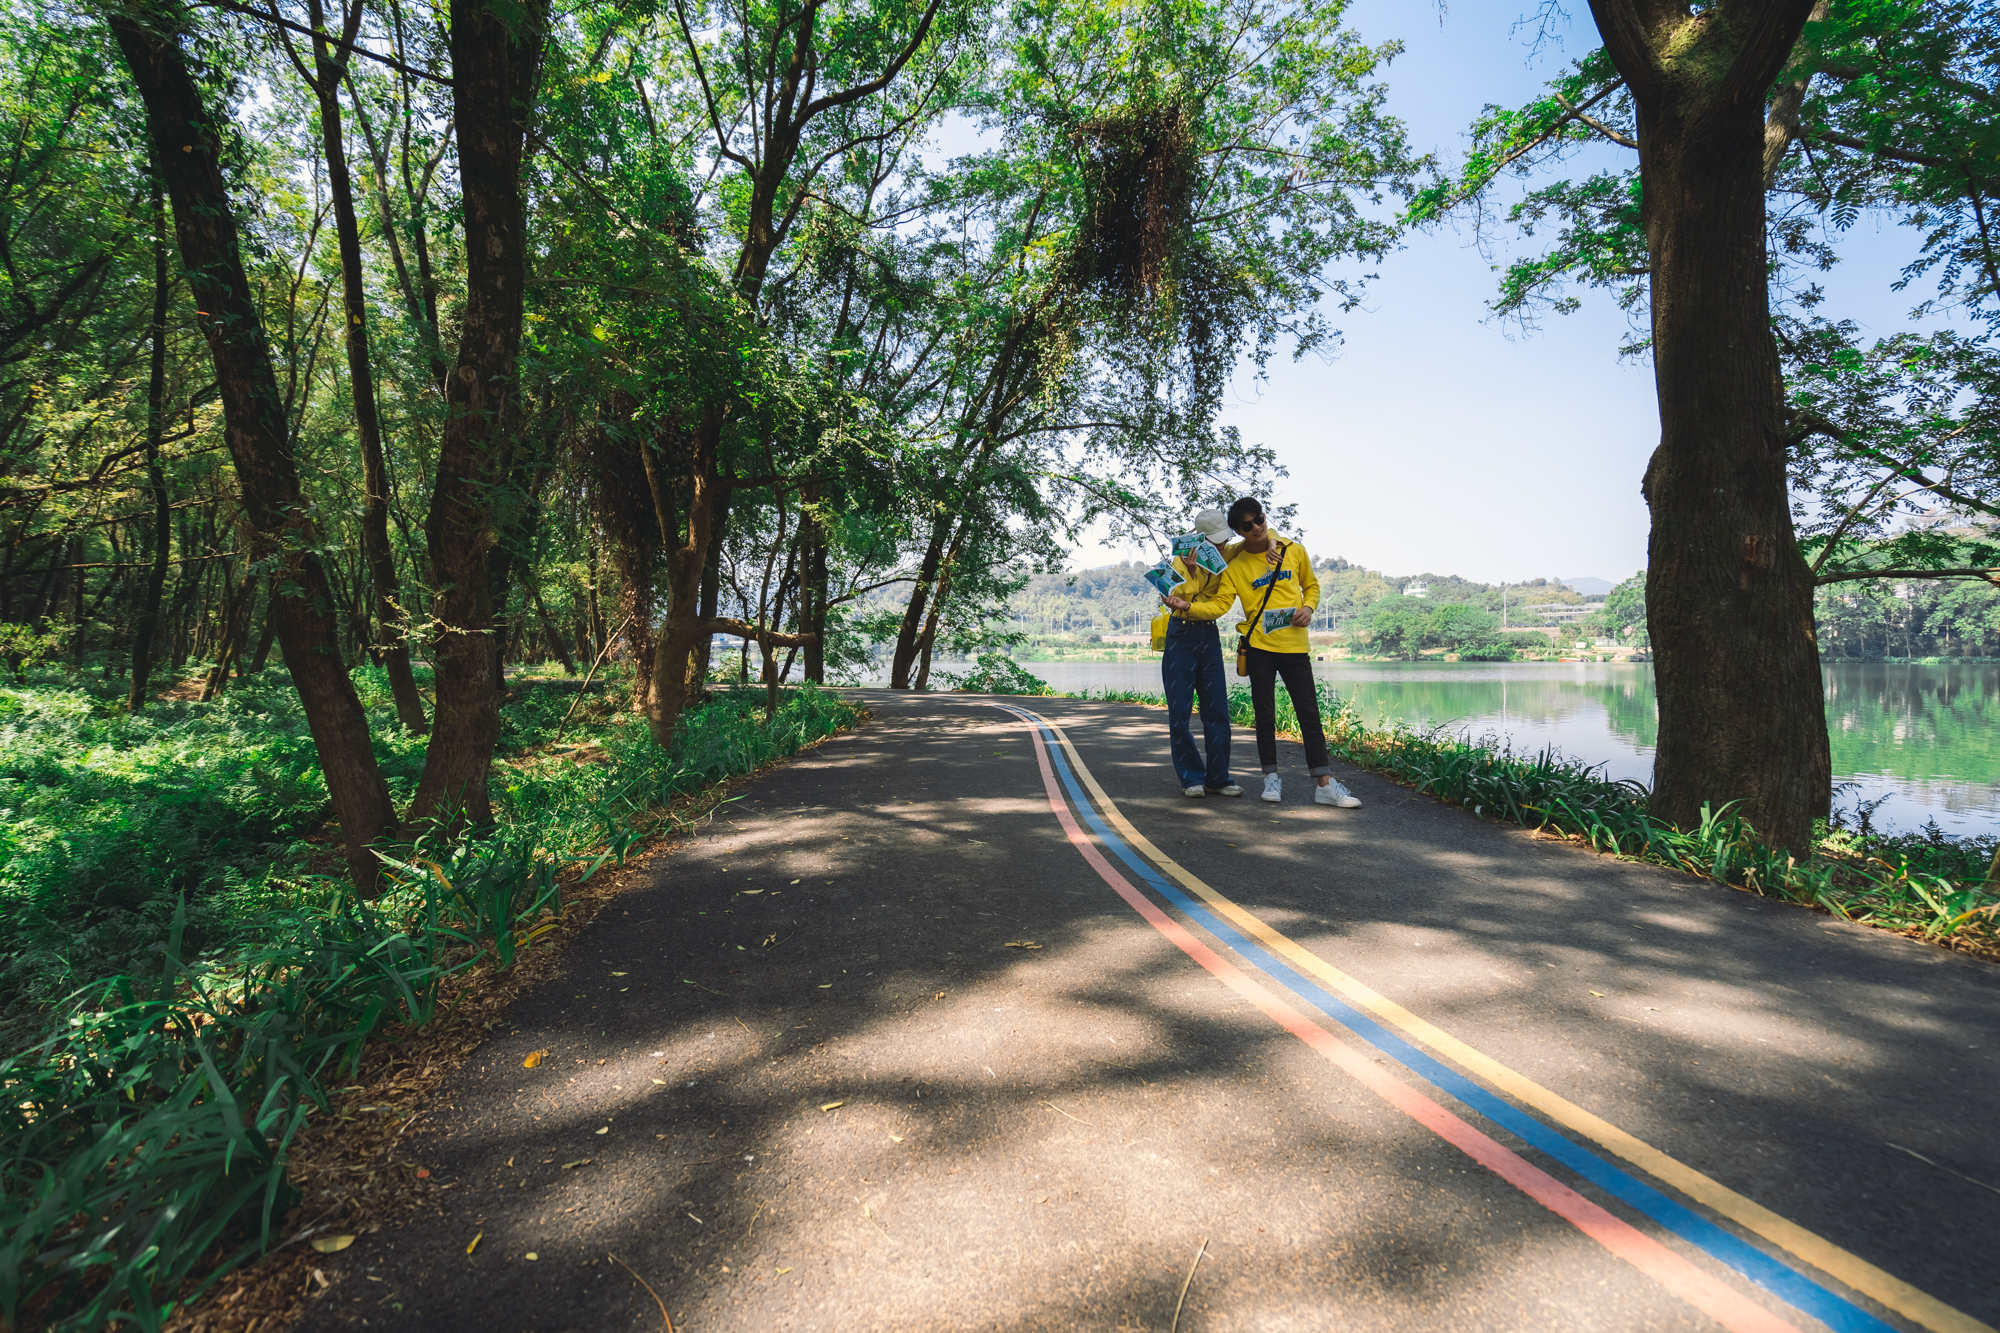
x=1832, y=1309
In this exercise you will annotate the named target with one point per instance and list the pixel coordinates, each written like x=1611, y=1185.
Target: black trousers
x=1296, y=668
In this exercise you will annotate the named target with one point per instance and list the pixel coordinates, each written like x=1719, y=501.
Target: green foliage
x=143, y=1137
x=1399, y=626
x=996, y=673
x=112, y=820
x=1403, y=626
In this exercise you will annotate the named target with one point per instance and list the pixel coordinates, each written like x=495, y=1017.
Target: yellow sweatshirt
x=1197, y=583
x=1293, y=584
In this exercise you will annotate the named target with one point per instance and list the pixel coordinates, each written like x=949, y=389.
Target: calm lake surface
x=1921, y=738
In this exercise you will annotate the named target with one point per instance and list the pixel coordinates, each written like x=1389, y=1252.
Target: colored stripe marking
x=1852, y=1270
x=1728, y=1307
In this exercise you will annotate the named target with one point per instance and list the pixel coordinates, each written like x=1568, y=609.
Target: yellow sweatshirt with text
x=1293, y=584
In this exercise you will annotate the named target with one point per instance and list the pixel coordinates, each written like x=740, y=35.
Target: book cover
x=1202, y=551
x=1163, y=578
x=1278, y=617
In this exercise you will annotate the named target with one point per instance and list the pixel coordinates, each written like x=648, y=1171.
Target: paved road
x=1399, y=1069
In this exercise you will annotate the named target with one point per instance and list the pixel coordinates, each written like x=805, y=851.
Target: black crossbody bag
x=1243, y=640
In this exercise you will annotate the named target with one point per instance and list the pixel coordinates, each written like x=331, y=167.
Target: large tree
x=1729, y=597
x=1877, y=109
x=188, y=134
x=496, y=51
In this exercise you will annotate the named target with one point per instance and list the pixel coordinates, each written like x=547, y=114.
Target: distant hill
x=1115, y=599
x=1589, y=587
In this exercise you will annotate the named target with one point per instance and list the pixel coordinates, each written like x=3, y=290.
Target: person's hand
x=1302, y=617
x=1177, y=603
x=1272, y=556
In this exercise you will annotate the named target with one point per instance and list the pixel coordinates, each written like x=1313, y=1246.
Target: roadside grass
x=1926, y=885
x=148, y=1110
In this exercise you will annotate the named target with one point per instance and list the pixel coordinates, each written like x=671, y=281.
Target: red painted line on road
x=1720, y=1302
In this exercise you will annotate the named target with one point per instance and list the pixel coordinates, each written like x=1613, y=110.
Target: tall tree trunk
x=905, y=652
x=270, y=632
x=393, y=651
x=685, y=555
x=813, y=595
x=552, y=630
x=625, y=512
x=155, y=586
x=929, y=637
x=184, y=145
x=1729, y=599
x=711, y=599
x=495, y=65
x=233, y=615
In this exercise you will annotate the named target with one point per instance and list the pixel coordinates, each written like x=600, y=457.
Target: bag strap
x=1269, y=588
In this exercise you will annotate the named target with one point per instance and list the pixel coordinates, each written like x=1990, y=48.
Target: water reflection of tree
x=1918, y=722
x=1627, y=701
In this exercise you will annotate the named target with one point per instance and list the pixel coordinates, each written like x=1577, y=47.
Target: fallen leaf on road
x=783, y=1271
x=618, y=974
x=826, y=985
x=531, y=1255
x=423, y=1173
x=827, y=1107
x=895, y=1138
x=332, y=1244
x=794, y=881
x=1598, y=993
x=605, y=1130
x=747, y=892
x=1021, y=944
x=581, y=1161
x=662, y=1082
x=475, y=1243
x=534, y=1058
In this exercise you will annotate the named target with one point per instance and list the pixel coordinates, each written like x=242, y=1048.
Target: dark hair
x=1247, y=507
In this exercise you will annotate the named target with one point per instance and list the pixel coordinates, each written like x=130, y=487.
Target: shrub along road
x=1398, y=1068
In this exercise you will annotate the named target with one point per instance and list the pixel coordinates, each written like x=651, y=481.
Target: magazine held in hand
x=1202, y=552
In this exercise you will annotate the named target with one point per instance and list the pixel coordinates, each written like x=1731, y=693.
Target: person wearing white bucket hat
x=1191, y=670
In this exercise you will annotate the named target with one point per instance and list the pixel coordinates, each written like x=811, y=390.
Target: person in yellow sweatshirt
x=1273, y=580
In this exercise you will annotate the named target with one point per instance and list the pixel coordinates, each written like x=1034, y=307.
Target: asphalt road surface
x=970, y=1020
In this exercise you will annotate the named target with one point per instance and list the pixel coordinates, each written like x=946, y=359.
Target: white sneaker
x=1196, y=790
x=1335, y=794
x=1231, y=790
x=1273, y=788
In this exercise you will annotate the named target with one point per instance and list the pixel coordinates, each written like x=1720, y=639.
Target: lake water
x=1922, y=739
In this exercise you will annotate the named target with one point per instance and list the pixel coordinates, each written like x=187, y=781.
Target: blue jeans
x=1192, y=665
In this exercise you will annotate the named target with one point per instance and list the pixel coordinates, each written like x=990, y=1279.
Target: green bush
x=144, y=1130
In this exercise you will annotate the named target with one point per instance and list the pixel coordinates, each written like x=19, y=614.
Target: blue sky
x=1439, y=439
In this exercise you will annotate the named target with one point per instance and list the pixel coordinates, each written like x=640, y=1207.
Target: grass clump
x=1926, y=884
x=146, y=1114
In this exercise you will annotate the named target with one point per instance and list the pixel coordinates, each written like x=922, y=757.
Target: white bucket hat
x=1214, y=525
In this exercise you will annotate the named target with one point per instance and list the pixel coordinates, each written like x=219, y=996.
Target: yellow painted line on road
x=1849, y=1268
